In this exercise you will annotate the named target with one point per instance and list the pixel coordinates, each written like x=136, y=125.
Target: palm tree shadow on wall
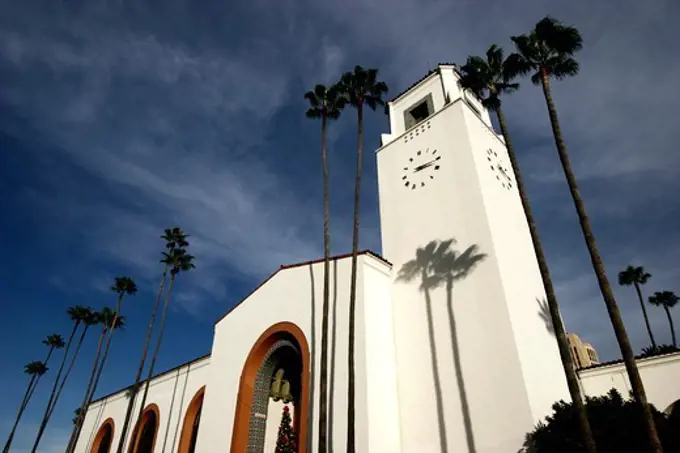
x=544, y=314
x=312, y=359
x=436, y=265
x=331, y=388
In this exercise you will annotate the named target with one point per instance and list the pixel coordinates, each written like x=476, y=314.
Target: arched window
x=104, y=438
x=192, y=420
x=146, y=430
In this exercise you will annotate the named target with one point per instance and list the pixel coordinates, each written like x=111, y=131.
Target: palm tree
x=102, y=318
x=179, y=261
x=547, y=52
x=360, y=87
x=667, y=300
x=111, y=321
x=325, y=104
x=637, y=276
x=488, y=79
x=79, y=315
x=174, y=238
x=35, y=370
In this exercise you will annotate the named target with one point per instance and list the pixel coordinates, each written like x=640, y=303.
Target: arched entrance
x=104, y=437
x=192, y=420
x=146, y=430
x=277, y=368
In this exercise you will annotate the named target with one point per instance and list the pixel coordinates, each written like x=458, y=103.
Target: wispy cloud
x=184, y=115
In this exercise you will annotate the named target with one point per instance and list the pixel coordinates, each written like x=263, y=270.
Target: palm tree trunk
x=644, y=313
x=323, y=377
x=156, y=350
x=83, y=407
x=598, y=266
x=140, y=369
x=56, y=392
x=670, y=322
x=43, y=422
x=20, y=412
x=68, y=370
x=37, y=380
x=551, y=296
x=436, y=375
x=90, y=395
x=353, y=285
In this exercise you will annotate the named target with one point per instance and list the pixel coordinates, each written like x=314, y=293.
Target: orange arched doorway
x=192, y=420
x=282, y=345
x=146, y=430
x=104, y=438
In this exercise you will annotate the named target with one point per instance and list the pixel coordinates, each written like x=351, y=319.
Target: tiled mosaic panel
x=258, y=410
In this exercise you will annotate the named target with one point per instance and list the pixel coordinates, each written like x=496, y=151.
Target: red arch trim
x=139, y=427
x=192, y=411
x=108, y=423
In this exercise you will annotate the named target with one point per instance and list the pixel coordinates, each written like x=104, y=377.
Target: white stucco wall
x=490, y=315
x=519, y=272
x=171, y=392
x=660, y=376
x=296, y=295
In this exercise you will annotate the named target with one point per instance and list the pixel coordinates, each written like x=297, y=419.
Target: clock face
x=420, y=168
x=500, y=170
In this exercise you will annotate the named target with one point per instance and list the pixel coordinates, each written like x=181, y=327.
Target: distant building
x=583, y=353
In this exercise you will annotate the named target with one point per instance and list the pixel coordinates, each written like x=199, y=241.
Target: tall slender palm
x=53, y=342
x=636, y=276
x=35, y=370
x=79, y=315
x=667, y=300
x=360, y=87
x=111, y=322
x=489, y=80
x=547, y=52
x=325, y=104
x=102, y=317
x=174, y=238
x=179, y=261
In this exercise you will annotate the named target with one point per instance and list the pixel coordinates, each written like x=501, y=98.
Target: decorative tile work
x=258, y=410
x=420, y=129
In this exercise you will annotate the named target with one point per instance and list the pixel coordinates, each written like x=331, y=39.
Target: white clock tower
x=477, y=362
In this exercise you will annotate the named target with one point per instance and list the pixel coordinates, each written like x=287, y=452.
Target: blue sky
x=118, y=119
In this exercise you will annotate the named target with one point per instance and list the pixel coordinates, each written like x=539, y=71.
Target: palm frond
x=311, y=97
x=507, y=88
x=37, y=368
x=517, y=65
x=492, y=103
x=563, y=69
x=558, y=37
x=313, y=113
x=124, y=285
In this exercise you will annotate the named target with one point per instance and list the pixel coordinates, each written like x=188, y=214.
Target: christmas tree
x=286, y=441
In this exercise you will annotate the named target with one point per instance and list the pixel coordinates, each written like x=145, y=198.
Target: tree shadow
x=435, y=265
x=179, y=406
x=312, y=377
x=544, y=314
x=331, y=373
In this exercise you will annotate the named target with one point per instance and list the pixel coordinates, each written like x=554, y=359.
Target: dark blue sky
x=118, y=119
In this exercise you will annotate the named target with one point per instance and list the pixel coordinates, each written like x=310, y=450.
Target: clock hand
x=423, y=166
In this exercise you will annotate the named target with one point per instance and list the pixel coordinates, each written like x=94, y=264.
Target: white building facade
x=452, y=352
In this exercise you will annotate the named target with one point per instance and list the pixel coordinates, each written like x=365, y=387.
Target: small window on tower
x=420, y=111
